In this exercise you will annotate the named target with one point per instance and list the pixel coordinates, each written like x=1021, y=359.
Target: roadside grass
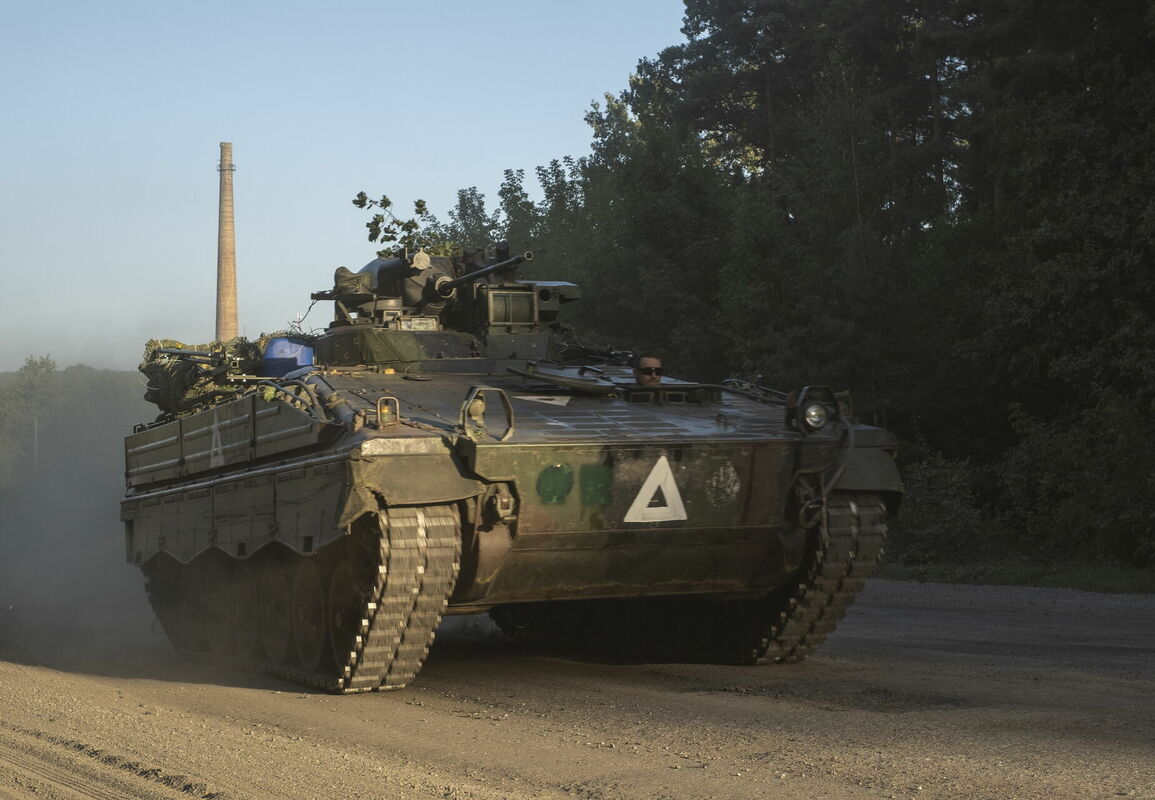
x=1021, y=571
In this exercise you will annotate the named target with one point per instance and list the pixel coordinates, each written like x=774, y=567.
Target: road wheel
x=347, y=601
x=219, y=606
x=190, y=608
x=246, y=629
x=276, y=595
x=308, y=614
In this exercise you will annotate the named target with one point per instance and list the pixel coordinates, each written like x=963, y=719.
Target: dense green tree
x=27, y=403
x=520, y=224
x=1067, y=322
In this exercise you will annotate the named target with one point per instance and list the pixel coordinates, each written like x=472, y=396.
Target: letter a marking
x=661, y=478
x=216, y=449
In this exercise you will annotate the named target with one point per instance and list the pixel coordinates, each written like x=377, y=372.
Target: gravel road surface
x=925, y=691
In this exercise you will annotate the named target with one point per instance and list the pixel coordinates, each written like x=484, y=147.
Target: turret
x=428, y=308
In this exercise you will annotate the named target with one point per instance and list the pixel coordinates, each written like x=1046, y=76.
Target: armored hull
x=318, y=526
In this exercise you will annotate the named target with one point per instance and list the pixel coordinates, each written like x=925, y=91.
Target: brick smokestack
x=226, y=251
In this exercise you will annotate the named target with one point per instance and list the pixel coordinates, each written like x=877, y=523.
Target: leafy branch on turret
x=422, y=231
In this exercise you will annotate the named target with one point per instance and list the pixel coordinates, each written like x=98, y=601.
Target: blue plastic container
x=283, y=354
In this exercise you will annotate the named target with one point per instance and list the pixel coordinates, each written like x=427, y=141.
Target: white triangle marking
x=661, y=478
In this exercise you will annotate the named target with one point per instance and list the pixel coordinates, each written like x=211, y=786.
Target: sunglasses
x=649, y=370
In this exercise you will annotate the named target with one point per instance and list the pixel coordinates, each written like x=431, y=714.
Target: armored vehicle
x=312, y=506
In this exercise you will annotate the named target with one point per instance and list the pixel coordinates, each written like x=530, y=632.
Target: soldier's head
x=647, y=369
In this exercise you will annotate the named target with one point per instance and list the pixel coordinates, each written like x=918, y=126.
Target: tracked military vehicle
x=314, y=506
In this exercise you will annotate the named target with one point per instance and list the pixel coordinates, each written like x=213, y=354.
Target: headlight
x=815, y=416
x=811, y=408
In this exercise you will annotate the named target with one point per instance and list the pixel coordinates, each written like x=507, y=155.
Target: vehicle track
x=407, y=565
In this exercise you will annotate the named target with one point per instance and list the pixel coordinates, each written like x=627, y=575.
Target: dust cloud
x=63, y=574
x=62, y=566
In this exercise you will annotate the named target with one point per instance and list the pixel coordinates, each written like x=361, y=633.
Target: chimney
x=226, y=251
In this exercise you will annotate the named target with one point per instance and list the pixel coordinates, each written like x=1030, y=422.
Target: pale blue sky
x=113, y=111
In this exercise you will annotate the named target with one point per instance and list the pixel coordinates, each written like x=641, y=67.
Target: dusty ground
x=927, y=691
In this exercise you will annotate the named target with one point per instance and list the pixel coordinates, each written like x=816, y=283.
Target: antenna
x=226, y=251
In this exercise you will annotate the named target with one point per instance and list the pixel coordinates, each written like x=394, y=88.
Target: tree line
x=947, y=207
x=64, y=429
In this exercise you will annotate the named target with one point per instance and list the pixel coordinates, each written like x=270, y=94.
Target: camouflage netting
x=180, y=382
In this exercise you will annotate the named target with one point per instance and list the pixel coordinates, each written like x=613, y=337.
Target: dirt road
x=926, y=691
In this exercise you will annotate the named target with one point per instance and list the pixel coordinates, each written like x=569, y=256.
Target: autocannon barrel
x=445, y=288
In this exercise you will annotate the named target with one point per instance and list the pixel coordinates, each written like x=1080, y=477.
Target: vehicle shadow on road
x=109, y=642
x=125, y=641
